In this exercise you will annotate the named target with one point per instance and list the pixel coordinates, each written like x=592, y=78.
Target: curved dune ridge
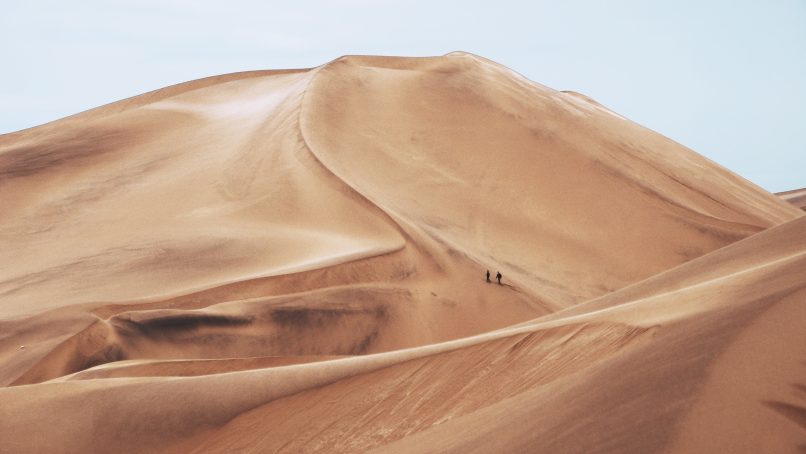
x=293, y=261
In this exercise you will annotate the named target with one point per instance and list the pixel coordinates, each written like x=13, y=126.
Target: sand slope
x=796, y=197
x=293, y=261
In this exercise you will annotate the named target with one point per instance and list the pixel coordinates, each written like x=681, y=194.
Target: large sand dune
x=294, y=261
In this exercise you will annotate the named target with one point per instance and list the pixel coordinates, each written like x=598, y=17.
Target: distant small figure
x=498, y=276
x=488, y=275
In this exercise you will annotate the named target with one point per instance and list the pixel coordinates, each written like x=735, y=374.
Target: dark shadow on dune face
x=60, y=150
x=302, y=317
x=184, y=322
x=342, y=322
x=794, y=413
x=297, y=317
x=362, y=346
x=365, y=324
x=300, y=327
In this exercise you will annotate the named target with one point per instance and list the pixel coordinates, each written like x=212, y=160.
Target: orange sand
x=293, y=261
x=796, y=197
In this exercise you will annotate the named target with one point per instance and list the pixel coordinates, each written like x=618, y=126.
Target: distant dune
x=796, y=197
x=294, y=261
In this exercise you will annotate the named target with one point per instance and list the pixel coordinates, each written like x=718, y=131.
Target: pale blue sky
x=726, y=78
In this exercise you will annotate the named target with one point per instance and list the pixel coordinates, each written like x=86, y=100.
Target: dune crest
x=294, y=261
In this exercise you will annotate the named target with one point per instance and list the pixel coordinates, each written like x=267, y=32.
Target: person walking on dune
x=498, y=276
x=488, y=275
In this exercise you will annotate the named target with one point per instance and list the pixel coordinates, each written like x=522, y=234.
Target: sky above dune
x=725, y=78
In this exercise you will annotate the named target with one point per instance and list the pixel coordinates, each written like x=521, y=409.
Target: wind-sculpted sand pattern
x=294, y=261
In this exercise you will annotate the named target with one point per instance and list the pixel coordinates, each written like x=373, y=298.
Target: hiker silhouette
x=498, y=276
x=488, y=275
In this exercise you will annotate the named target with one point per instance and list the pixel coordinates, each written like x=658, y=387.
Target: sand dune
x=293, y=261
x=796, y=197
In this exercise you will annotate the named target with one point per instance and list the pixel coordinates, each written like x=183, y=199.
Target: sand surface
x=294, y=261
x=796, y=197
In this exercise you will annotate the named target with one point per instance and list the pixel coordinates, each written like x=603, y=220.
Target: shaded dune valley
x=295, y=261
